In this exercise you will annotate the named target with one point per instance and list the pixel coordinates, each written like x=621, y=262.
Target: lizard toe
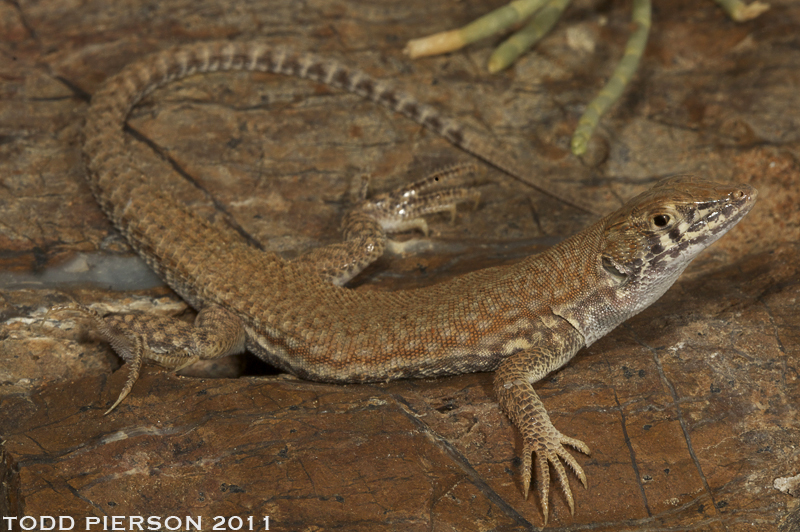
x=543, y=480
x=563, y=481
x=134, y=362
x=568, y=459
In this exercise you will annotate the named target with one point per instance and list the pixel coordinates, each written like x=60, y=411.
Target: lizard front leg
x=513, y=386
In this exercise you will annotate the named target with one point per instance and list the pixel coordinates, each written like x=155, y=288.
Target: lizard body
x=521, y=321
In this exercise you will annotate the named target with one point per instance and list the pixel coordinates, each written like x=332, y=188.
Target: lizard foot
x=549, y=449
x=167, y=341
x=127, y=344
x=365, y=227
x=403, y=209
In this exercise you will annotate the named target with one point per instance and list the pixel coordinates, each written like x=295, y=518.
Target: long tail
x=104, y=152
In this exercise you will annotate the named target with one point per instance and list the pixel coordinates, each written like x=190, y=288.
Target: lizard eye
x=661, y=220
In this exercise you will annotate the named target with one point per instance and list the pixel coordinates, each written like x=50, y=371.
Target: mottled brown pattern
x=524, y=320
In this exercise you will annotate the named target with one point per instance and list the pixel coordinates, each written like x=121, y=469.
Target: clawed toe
x=134, y=362
x=189, y=361
x=550, y=454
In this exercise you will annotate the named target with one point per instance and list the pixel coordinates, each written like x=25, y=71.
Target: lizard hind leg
x=126, y=335
x=175, y=344
x=167, y=341
x=365, y=227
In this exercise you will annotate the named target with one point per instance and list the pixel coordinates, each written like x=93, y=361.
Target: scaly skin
x=521, y=321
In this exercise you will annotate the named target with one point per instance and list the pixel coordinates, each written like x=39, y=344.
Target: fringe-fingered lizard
x=521, y=321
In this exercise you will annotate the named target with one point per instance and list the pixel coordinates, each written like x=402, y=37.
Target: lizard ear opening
x=614, y=271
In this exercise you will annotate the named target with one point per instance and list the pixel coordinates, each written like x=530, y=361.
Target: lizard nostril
x=739, y=194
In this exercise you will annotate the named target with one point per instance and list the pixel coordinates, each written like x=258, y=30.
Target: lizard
x=520, y=321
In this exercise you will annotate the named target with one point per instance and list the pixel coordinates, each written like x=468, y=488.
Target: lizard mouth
x=722, y=218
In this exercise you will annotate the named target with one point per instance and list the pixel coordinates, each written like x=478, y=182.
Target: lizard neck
x=571, y=281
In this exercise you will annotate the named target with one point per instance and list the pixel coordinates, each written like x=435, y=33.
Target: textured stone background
x=690, y=409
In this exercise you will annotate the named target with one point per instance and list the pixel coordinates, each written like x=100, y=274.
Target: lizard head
x=651, y=240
